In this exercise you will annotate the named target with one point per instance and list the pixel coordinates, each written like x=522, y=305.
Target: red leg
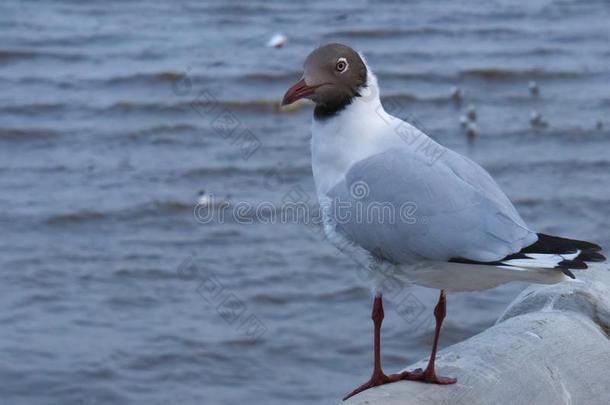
x=378, y=377
x=429, y=375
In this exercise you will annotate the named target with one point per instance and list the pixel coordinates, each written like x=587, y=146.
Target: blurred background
x=115, y=116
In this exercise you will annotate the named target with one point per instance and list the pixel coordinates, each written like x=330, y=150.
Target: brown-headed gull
x=460, y=231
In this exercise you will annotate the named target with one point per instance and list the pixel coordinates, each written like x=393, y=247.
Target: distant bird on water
x=463, y=121
x=536, y=120
x=472, y=130
x=471, y=113
x=465, y=234
x=277, y=41
x=203, y=198
x=206, y=199
x=456, y=94
x=534, y=89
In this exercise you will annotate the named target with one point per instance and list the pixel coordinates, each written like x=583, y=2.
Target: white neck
x=363, y=128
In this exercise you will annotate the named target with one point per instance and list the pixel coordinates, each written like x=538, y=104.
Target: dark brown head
x=333, y=75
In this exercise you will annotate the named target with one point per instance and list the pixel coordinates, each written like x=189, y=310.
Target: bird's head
x=333, y=74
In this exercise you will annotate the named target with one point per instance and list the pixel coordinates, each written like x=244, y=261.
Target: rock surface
x=551, y=346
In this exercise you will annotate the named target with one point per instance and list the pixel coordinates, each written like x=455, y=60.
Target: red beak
x=298, y=91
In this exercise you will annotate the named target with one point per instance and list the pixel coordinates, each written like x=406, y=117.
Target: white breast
x=362, y=129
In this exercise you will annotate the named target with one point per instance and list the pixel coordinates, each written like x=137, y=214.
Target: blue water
x=113, y=116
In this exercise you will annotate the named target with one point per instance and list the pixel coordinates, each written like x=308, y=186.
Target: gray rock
x=551, y=346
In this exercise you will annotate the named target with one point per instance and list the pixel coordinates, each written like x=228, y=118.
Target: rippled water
x=111, y=292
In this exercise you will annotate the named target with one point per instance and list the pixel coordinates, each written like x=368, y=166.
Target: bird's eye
x=341, y=65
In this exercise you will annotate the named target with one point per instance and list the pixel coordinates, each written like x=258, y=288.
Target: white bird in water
x=463, y=233
x=472, y=130
x=536, y=120
x=456, y=94
x=471, y=113
x=468, y=122
x=463, y=121
x=208, y=199
x=534, y=89
x=277, y=41
x=203, y=198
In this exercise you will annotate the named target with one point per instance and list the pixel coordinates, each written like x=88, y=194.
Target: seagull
x=471, y=113
x=456, y=94
x=534, y=89
x=462, y=232
x=536, y=120
x=203, y=198
x=463, y=121
x=278, y=40
x=472, y=130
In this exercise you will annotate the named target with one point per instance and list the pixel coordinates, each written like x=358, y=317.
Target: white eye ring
x=341, y=65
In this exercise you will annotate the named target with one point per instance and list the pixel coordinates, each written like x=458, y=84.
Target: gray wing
x=400, y=206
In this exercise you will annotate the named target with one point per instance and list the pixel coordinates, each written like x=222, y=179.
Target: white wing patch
x=541, y=260
x=513, y=268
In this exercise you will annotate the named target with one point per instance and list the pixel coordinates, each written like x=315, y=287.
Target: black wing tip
x=548, y=244
x=591, y=257
x=572, y=264
x=589, y=252
x=556, y=244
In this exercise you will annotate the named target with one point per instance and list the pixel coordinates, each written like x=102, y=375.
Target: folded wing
x=404, y=208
